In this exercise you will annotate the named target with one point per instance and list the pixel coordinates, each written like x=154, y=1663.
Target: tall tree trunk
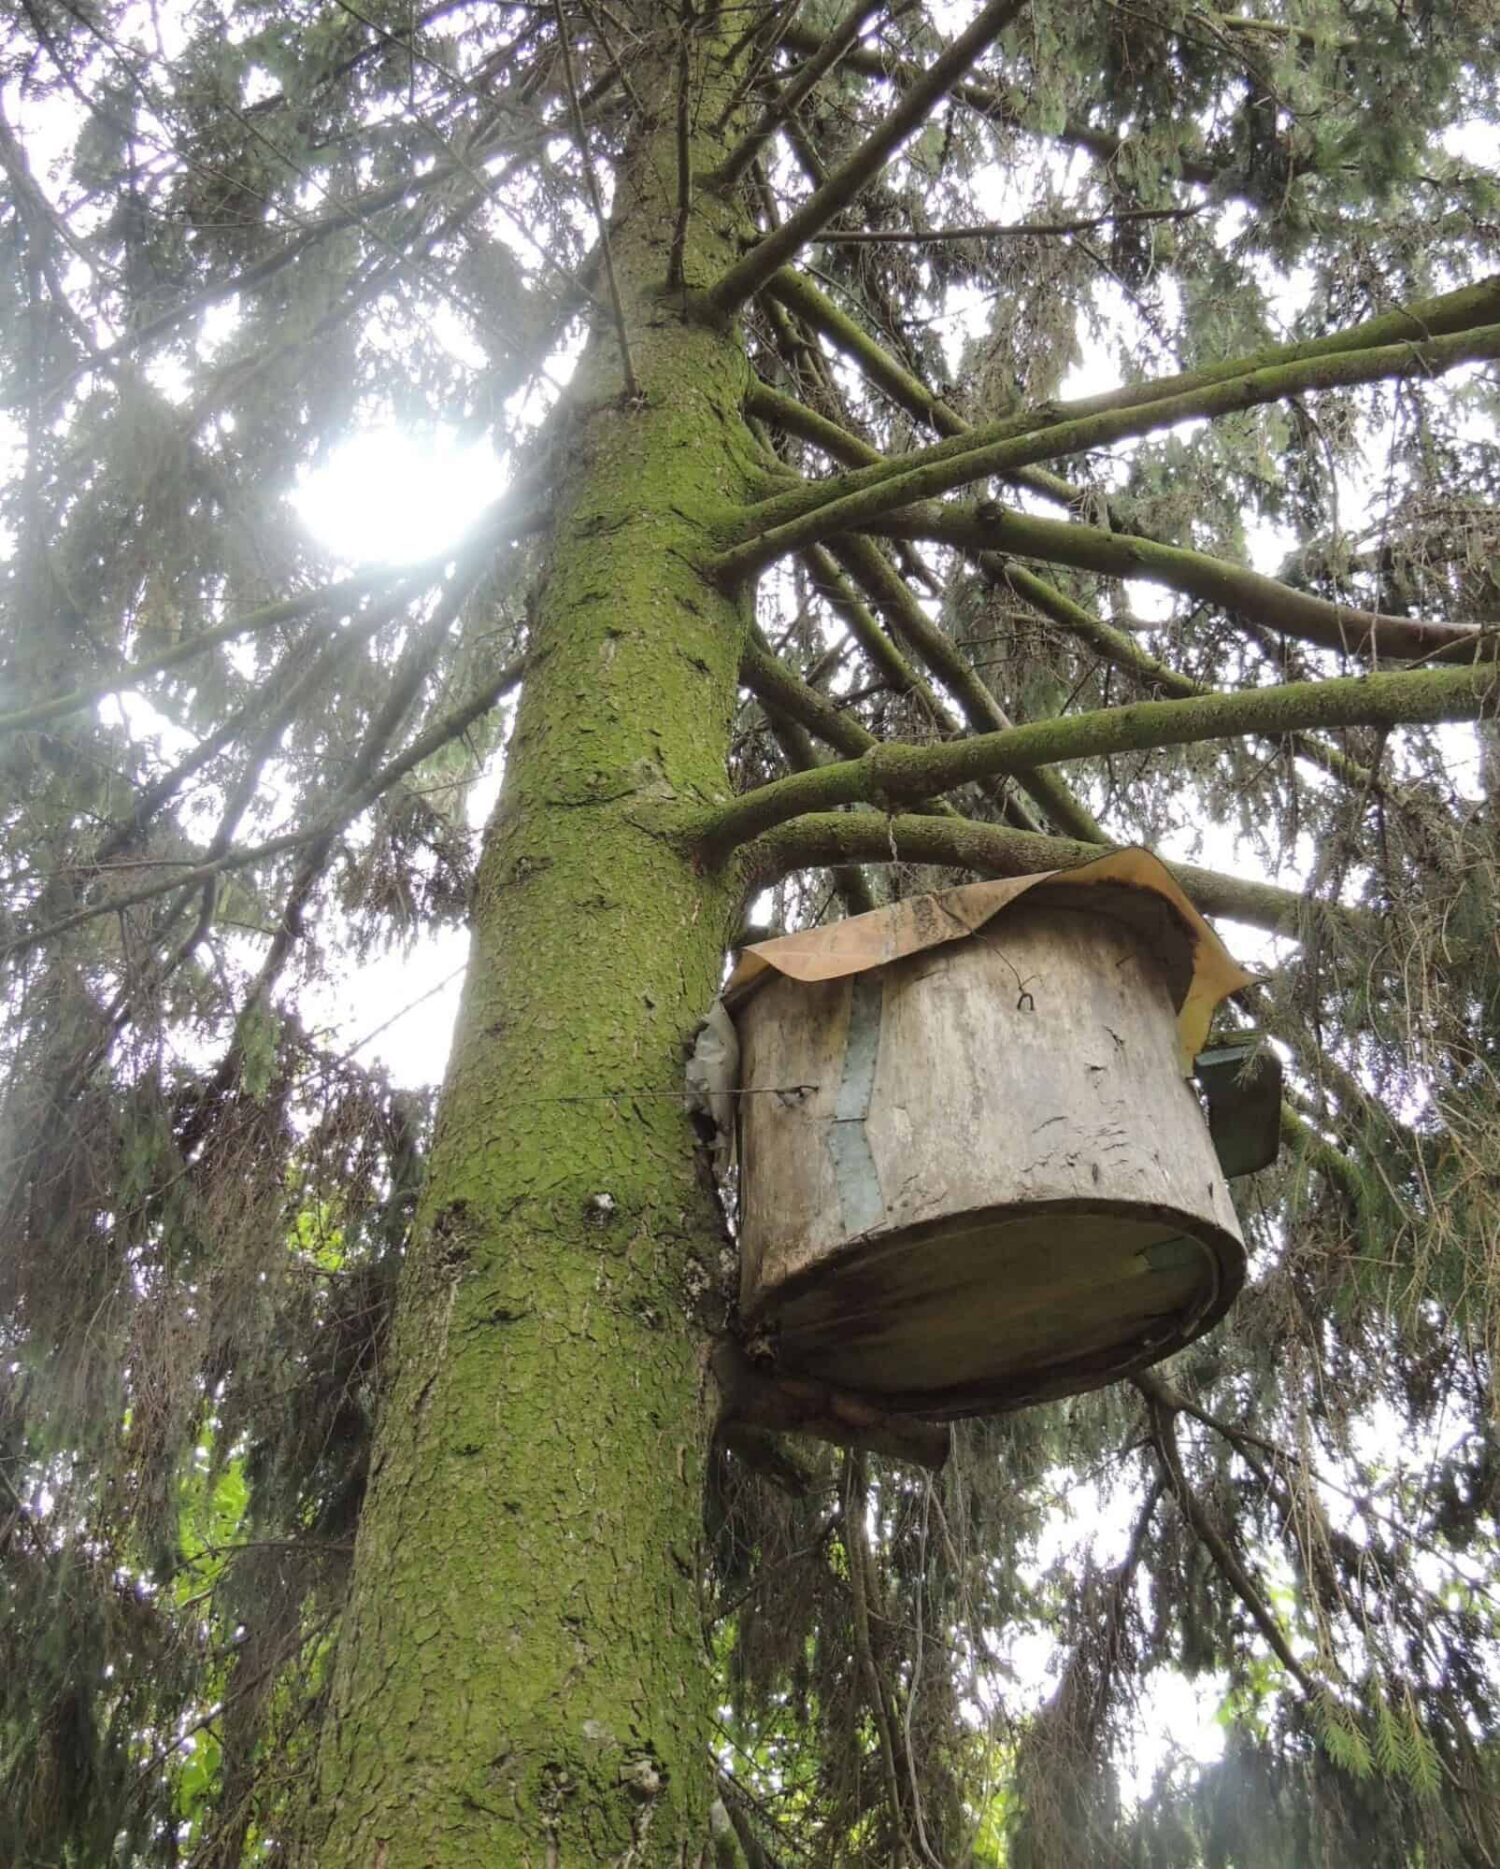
x=522, y=1677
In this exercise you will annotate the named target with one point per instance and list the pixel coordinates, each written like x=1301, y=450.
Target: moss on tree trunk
x=522, y=1676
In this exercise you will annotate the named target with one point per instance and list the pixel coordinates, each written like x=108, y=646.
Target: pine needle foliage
x=233, y=770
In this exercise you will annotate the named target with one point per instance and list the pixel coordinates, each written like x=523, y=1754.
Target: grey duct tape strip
x=861, y=1204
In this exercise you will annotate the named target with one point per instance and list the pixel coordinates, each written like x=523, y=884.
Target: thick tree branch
x=796, y=418
x=891, y=775
x=1445, y=315
x=822, y=839
x=801, y=755
x=1261, y=599
x=768, y=256
x=789, y=521
x=774, y=685
x=942, y=656
x=981, y=710
x=1233, y=588
x=798, y=294
x=817, y=67
x=883, y=650
x=1123, y=652
x=883, y=654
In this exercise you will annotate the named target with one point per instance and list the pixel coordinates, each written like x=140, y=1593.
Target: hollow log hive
x=974, y=1174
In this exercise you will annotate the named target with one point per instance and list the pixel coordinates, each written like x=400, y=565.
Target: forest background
x=927, y=442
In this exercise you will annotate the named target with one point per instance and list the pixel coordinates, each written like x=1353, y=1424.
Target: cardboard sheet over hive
x=973, y=1173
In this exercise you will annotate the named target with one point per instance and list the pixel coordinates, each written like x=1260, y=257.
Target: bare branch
x=817, y=67
x=819, y=840
x=1234, y=588
x=591, y=182
x=895, y=775
x=749, y=274
x=788, y=521
x=677, y=256
x=999, y=230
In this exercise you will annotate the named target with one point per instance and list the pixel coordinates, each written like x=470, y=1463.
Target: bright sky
x=393, y=495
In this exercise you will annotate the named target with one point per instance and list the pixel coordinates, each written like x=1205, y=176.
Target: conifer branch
x=188, y=876
x=982, y=711
x=788, y=521
x=999, y=230
x=1169, y=1456
x=833, y=48
x=248, y=623
x=596, y=202
x=1107, y=147
x=311, y=234
x=776, y=687
x=287, y=689
x=750, y=273
x=854, y=1506
x=884, y=654
x=1233, y=588
x=906, y=391
x=765, y=34
x=892, y=775
x=820, y=840
x=415, y=664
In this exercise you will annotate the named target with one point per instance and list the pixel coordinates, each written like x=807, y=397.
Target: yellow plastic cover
x=874, y=940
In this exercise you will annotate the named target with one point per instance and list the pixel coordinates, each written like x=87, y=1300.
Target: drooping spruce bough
x=359, y=1501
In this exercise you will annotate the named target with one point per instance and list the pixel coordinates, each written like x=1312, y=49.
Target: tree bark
x=522, y=1676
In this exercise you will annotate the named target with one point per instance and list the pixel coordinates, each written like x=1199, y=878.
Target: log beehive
x=973, y=1172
